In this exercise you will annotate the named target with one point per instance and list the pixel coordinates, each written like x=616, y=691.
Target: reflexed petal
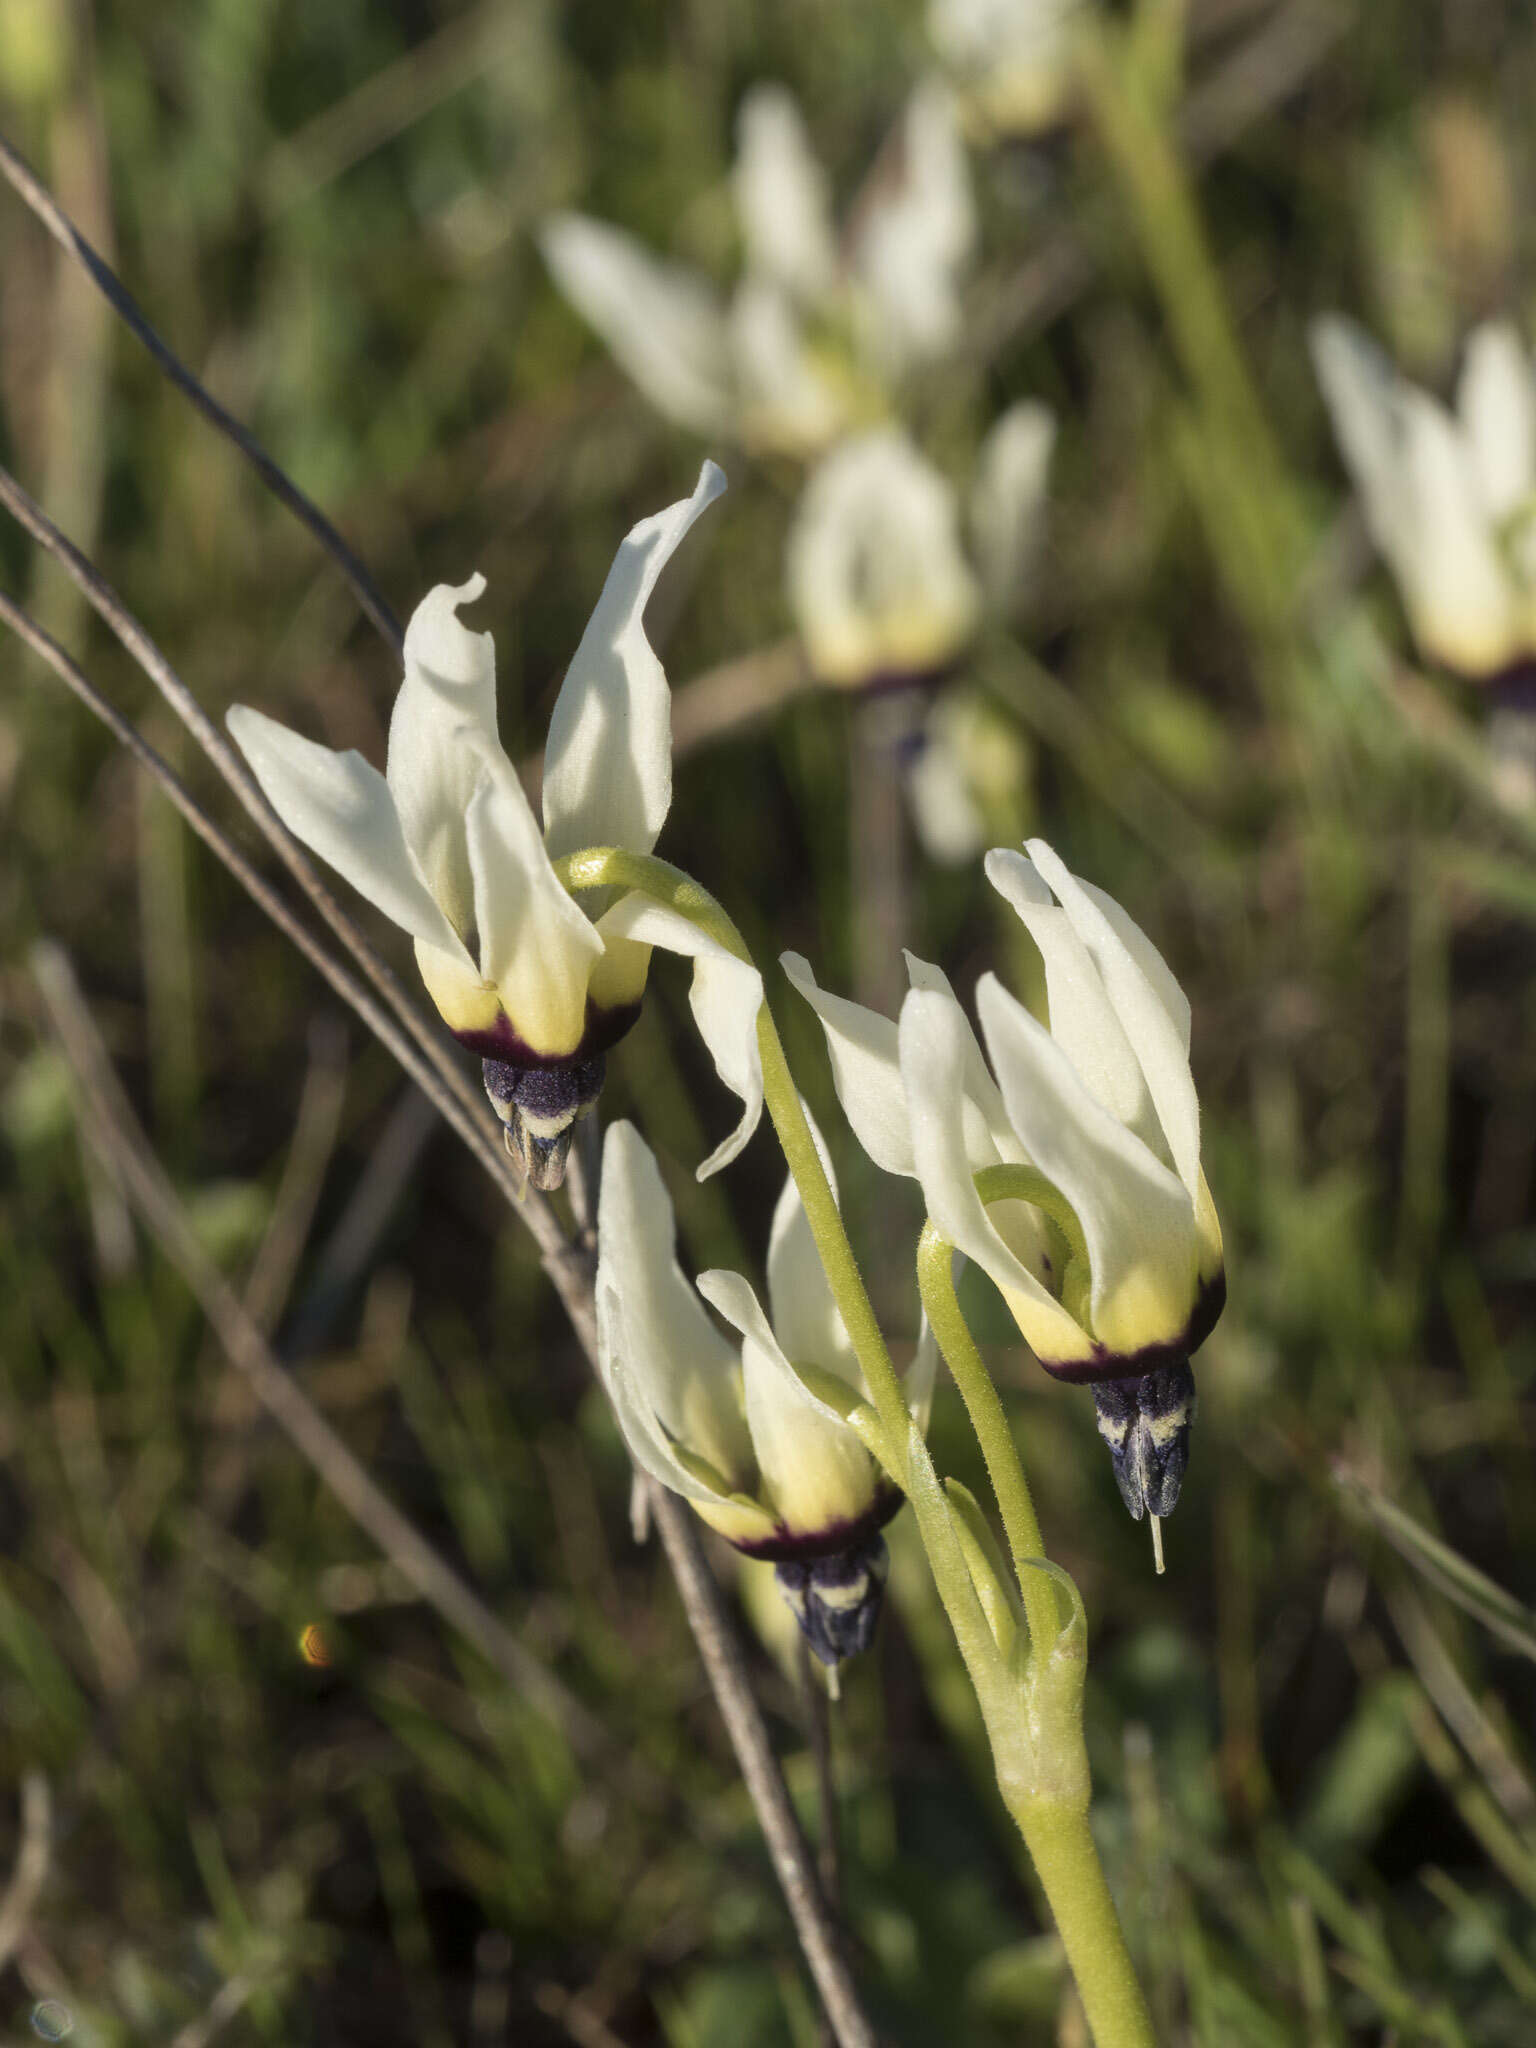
x=341, y=809
x=934, y=1054
x=661, y=323
x=815, y=1470
x=537, y=945
x=805, y=1317
x=781, y=196
x=1011, y=58
x=1421, y=500
x=1496, y=400
x=725, y=998
x=676, y=1365
x=1362, y=392
x=649, y=1445
x=1152, y=964
x=449, y=688
x=1160, y=1046
x=1008, y=499
x=945, y=813
x=608, y=760
x=1084, y=1021
x=876, y=577
x=994, y=1139
x=916, y=235
x=787, y=404
x=1137, y=1219
x=1455, y=585
x=861, y=1045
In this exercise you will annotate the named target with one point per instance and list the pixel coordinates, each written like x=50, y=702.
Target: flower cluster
x=820, y=326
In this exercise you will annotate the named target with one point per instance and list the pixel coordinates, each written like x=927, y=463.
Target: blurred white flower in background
x=1448, y=493
x=880, y=582
x=820, y=326
x=884, y=590
x=1010, y=61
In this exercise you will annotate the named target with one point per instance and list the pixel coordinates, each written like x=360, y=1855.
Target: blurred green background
x=1313, y=1756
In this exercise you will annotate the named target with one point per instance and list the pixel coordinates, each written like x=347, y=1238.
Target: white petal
x=877, y=579
x=788, y=404
x=1362, y=393
x=341, y=808
x=1159, y=1048
x=675, y=1366
x=1496, y=400
x=449, y=689
x=817, y=1472
x=989, y=1137
x=662, y=323
x=1152, y=964
x=1421, y=500
x=916, y=235
x=781, y=196
x=608, y=761
x=1084, y=1021
x=537, y=945
x=861, y=1045
x=805, y=1317
x=934, y=1056
x=945, y=813
x=725, y=999
x=1008, y=499
x=1455, y=584
x=1138, y=1220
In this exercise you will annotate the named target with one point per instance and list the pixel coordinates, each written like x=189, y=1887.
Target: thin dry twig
x=315, y=1126
x=53, y=217
x=111, y=1125
x=32, y=1860
x=569, y=1270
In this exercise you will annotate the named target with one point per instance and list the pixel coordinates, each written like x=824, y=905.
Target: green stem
x=1062, y=1849
x=1055, y=1833
x=936, y=1284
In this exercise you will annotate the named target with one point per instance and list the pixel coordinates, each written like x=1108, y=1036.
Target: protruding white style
x=819, y=327
x=446, y=842
x=734, y=1427
x=1116, y=1267
x=1448, y=493
x=1010, y=61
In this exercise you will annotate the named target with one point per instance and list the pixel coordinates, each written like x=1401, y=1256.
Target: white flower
x=736, y=1430
x=966, y=780
x=816, y=329
x=447, y=845
x=1448, y=495
x=1010, y=60
x=1115, y=1272
x=878, y=577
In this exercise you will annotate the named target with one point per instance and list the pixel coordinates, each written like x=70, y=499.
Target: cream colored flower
x=734, y=1427
x=1010, y=61
x=446, y=844
x=1114, y=1272
x=1448, y=493
x=879, y=579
